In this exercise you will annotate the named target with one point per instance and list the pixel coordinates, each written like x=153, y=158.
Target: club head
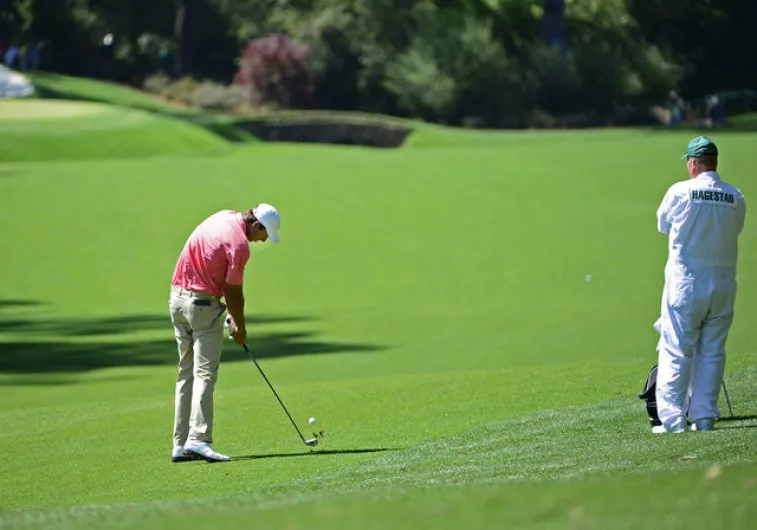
x=312, y=442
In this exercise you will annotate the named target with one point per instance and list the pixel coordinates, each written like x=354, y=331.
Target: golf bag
x=650, y=399
x=648, y=396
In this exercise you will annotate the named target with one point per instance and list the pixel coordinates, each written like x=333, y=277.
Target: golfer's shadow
x=314, y=452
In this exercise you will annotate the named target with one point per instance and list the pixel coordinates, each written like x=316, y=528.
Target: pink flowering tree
x=275, y=71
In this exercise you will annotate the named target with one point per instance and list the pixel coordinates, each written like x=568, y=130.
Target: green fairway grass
x=745, y=121
x=67, y=89
x=50, y=85
x=56, y=130
x=469, y=319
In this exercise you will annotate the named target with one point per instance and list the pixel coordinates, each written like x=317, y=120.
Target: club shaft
x=274, y=392
x=727, y=399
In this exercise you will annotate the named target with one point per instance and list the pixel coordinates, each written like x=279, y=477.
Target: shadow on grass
x=55, y=347
x=727, y=422
x=314, y=452
x=738, y=418
x=50, y=380
x=110, y=326
x=13, y=302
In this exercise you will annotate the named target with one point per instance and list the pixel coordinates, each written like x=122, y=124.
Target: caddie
x=702, y=217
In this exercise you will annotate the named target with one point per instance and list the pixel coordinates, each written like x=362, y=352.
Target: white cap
x=268, y=217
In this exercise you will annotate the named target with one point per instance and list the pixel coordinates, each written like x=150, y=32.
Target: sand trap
x=37, y=109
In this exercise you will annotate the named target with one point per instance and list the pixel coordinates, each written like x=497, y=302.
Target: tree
x=714, y=40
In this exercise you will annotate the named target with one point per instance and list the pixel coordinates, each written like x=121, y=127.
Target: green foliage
x=713, y=41
x=157, y=84
x=601, y=65
x=206, y=94
x=558, y=83
x=451, y=61
x=418, y=80
x=182, y=90
x=455, y=71
x=657, y=72
x=215, y=96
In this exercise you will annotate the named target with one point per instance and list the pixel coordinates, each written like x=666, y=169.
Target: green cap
x=701, y=146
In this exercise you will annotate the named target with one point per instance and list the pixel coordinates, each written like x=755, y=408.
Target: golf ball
x=311, y=421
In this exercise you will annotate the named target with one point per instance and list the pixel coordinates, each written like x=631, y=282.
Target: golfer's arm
x=234, y=296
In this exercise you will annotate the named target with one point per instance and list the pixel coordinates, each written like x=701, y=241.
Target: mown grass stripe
x=609, y=437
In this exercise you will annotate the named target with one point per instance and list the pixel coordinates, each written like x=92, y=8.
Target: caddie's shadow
x=738, y=418
x=52, y=350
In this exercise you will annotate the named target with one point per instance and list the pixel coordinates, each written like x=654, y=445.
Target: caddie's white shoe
x=178, y=455
x=706, y=424
x=203, y=450
x=660, y=429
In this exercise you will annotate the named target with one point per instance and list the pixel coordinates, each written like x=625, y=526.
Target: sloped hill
x=43, y=130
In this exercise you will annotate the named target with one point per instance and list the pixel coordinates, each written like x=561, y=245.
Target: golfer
x=702, y=218
x=210, y=267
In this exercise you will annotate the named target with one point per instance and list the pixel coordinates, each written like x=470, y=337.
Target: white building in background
x=13, y=84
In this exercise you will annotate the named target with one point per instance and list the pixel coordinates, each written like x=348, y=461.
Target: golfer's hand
x=240, y=336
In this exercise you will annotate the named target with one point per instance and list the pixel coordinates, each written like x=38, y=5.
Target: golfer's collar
x=706, y=175
x=242, y=224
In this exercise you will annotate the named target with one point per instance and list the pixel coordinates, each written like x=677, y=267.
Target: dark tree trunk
x=178, y=34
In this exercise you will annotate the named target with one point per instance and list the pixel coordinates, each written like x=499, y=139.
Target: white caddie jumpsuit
x=703, y=218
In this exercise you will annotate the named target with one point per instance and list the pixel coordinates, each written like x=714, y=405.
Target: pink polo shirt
x=215, y=252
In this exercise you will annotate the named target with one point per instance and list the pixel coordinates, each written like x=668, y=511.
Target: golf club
x=310, y=443
x=727, y=399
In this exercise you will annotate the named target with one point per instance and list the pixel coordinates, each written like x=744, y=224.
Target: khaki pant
x=198, y=325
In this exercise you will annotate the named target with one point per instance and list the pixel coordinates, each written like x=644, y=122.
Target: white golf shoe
x=203, y=450
x=178, y=455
